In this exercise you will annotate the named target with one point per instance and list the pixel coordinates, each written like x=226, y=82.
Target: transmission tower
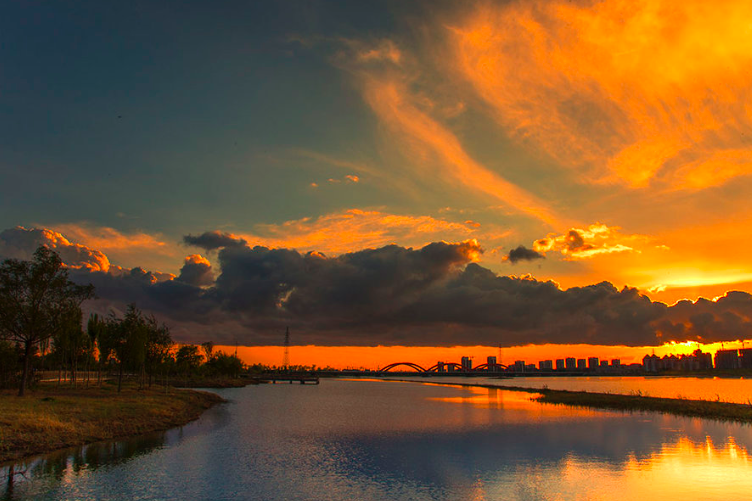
x=286, y=359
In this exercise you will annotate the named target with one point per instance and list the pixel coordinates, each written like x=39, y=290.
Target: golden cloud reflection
x=523, y=403
x=678, y=470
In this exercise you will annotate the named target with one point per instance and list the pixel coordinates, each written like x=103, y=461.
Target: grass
x=212, y=382
x=51, y=417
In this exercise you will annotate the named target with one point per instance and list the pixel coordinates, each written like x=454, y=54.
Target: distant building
x=581, y=364
x=491, y=362
x=604, y=364
x=727, y=359
x=745, y=358
x=530, y=368
x=467, y=363
x=440, y=367
x=560, y=364
x=546, y=365
x=670, y=363
x=519, y=366
x=570, y=363
x=704, y=360
x=592, y=363
x=615, y=362
x=650, y=363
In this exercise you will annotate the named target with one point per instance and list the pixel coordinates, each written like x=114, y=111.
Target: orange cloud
x=633, y=91
x=585, y=243
x=197, y=259
x=433, y=146
x=388, y=78
x=106, y=238
x=359, y=229
x=386, y=50
x=20, y=243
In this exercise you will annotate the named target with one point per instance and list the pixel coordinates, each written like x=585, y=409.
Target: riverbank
x=213, y=382
x=54, y=417
x=722, y=411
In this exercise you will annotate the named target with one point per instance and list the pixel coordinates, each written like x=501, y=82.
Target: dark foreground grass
x=218, y=382
x=723, y=411
x=52, y=417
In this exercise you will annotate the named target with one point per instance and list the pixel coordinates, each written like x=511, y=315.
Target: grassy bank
x=724, y=411
x=226, y=382
x=53, y=417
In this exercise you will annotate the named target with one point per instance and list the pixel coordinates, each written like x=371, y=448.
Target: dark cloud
x=575, y=242
x=211, y=240
x=196, y=271
x=522, y=253
x=20, y=243
x=433, y=296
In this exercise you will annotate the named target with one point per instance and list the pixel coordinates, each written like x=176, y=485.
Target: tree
x=188, y=359
x=35, y=297
x=208, y=348
x=95, y=328
x=130, y=339
x=222, y=364
x=158, y=345
x=9, y=363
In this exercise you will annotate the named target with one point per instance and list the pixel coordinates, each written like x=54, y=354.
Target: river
x=736, y=390
x=377, y=440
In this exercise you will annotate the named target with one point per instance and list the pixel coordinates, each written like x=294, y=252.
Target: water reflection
x=379, y=440
x=738, y=390
x=65, y=465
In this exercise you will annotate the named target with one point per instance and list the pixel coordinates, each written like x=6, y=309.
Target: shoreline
x=55, y=418
x=706, y=409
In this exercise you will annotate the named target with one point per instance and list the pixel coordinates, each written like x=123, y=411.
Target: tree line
x=41, y=327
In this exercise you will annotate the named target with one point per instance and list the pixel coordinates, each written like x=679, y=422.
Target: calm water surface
x=387, y=440
x=725, y=389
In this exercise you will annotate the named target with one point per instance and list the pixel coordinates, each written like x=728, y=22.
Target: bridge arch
x=486, y=367
x=457, y=367
x=389, y=367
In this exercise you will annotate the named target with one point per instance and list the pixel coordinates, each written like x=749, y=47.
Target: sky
x=389, y=173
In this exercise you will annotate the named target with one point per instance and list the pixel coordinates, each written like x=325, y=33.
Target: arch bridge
x=455, y=367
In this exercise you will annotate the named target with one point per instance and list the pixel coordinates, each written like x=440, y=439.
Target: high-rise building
x=519, y=366
x=650, y=363
x=467, y=363
x=745, y=358
x=570, y=363
x=581, y=364
x=440, y=367
x=491, y=362
x=727, y=359
x=592, y=363
x=546, y=365
x=560, y=364
x=615, y=362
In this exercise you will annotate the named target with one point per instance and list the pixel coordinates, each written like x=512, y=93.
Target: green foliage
x=36, y=298
x=222, y=364
x=10, y=364
x=188, y=359
x=159, y=345
x=139, y=343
